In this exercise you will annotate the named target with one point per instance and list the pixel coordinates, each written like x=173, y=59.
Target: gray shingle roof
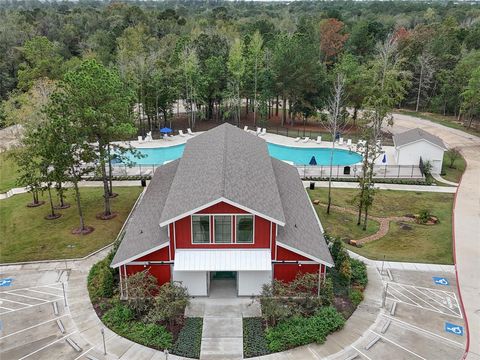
x=225, y=162
x=413, y=135
x=302, y=228
x=142, y=232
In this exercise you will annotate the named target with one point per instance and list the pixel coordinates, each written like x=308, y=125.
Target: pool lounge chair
x=307, y=139
x=180, y=132
x=319, y=139
x=190, y=132
x=349, y=142
x=297, y=139
x=140, y=138
x=340, y=141
x=259, y=130
x=263, y=132
x=245, y=128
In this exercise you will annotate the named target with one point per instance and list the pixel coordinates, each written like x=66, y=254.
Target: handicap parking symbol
x=440, y=281
x=454, y=329
x=6, y=282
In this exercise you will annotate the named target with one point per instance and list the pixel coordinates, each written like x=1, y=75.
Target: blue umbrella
x=384, y=160
x=165, y=130
x=313, y=161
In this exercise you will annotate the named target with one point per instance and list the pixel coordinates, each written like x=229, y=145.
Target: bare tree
x=335, y=123
x=425, y=68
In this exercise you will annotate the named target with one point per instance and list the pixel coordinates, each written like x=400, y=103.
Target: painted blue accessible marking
x=440, y=281
x=454, y=329
x=6, y=282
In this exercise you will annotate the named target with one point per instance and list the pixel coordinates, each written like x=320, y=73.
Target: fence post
x=398, y=175
x=140, y=168
x=337, y=171
x=412, y=172
x=385, y=175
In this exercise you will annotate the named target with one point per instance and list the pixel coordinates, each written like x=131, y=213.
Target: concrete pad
x=222, y=328
x=138, y=352
x=118, y=346
x=221, y=349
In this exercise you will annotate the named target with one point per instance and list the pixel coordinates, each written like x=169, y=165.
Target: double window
x=222, y=229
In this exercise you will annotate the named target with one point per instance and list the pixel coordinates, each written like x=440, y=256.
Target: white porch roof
x=222, y=260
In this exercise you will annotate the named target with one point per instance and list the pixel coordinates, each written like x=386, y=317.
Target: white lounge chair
x=190, y=132
x=148, y=137
x=264, y=131
x=245, y=128
x=259, y=130
x=349, y=142
x=140, y=138
x=180, y=132
x=307, y=139
x=340, y=141
x=319, y=139
x=297, y=139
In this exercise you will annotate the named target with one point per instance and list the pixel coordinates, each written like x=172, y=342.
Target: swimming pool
x=297, y=155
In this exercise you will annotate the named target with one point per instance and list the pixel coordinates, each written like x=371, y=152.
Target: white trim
x=219, y=200
x=211, y=219
x=304, y=254
x=130, y=259
x=415, y=141
x=314, y=212
x=210, y=230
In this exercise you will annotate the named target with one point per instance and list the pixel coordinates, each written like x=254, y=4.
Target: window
x=244, y=229
x=223, y=229
x=201, y=229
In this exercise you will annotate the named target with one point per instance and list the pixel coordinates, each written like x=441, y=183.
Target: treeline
x=220, y=57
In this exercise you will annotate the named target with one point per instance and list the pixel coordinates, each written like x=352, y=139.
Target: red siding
x=284, y=254
x=288, y=272
x=161, y=272
x=274, y=240
x=159, y=255
x=222, y=208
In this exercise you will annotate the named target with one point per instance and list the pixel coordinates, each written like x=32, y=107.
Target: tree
x=42, y=60
x=335, y=124
x=471, y=98
x=101, y=105
x=236, y=67
x=29, y=172
x=332, y=39
x=169, y=305
x=425, y=75
x=254, y=61
x=141, y=288
x=190, y=78
x=453, y=154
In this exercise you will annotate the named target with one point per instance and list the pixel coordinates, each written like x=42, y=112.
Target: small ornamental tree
x=169, y=305
x=453, y=154
x=30, y=176
x=141, y=289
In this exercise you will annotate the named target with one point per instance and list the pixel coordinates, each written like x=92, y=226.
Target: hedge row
x=377, y=180
x=119, y=177
x=189, y=339
x=254, y=341
x=101, y=280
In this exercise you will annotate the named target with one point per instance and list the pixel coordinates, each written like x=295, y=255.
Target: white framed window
x=200, y=229
x=223, y=229
x=244, y=227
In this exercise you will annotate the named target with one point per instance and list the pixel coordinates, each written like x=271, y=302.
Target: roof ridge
x=224, y=159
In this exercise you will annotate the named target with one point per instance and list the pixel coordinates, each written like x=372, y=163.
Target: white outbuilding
x=416, y=143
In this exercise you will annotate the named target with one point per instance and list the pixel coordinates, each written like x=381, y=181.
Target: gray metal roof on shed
x=225, y=163
x=302, y=230
x=142, y=232
x=414, y=135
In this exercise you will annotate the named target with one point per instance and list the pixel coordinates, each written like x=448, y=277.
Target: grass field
x=449, y=121
x=421, y=243
x=27, y=236
x=8, y=172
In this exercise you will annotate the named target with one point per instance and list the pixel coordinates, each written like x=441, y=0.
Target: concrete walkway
x=466, y=221
x=442, y=180
x=400, y=187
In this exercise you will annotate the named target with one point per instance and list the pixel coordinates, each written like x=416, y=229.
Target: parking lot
x=422, y=319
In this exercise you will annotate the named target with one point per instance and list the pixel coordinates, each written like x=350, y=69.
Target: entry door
x=224, y=275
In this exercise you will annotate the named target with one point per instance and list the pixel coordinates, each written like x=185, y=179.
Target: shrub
x=345, y=271
x=141, y=289
x=326, y=292
x=189, y=339
x=101, y=280
x=356, y=297
x=169, y=305
x=118, y=317
x=359, y=273
x=254, y=341
x=424, y=216
x=298, y=331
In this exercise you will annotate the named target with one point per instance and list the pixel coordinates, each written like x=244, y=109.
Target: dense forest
x=222, y=58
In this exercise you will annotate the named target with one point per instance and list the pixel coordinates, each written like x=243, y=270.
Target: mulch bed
x=87, y=230
x=33, y=205
x=52, y=217
x=61, y=207
x=102, y=216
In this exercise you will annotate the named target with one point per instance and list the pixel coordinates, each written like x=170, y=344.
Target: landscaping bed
x=152, y=315
x=27, y=236
x=409, y=242
x=293, y=314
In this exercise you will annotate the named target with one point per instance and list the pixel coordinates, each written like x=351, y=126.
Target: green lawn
x=343, y=225
x=453, y=174
x=8, y=172
x=422, y=243
x=449, y=121
x=27, y=236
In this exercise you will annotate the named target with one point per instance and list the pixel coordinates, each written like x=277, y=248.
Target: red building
x=226, y=208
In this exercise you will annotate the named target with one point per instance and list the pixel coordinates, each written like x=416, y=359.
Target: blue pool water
x=297, y=155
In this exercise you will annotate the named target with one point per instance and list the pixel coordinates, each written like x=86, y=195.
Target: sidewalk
x=400, y=187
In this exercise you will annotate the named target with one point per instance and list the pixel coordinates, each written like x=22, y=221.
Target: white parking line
x=418, y=297
x=25, y=296
x=29, y=306
x=46, y=346
x=398, y=345
x=32, y=327
x=361, y=353
x=443, y=305
x=45, y=293
x=15, y=302
x=31, y=287
x=425, y=308
x=403, y=295
x=3, y=307
x=407, y=325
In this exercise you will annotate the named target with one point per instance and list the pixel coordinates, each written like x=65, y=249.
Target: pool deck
x=270, y=138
